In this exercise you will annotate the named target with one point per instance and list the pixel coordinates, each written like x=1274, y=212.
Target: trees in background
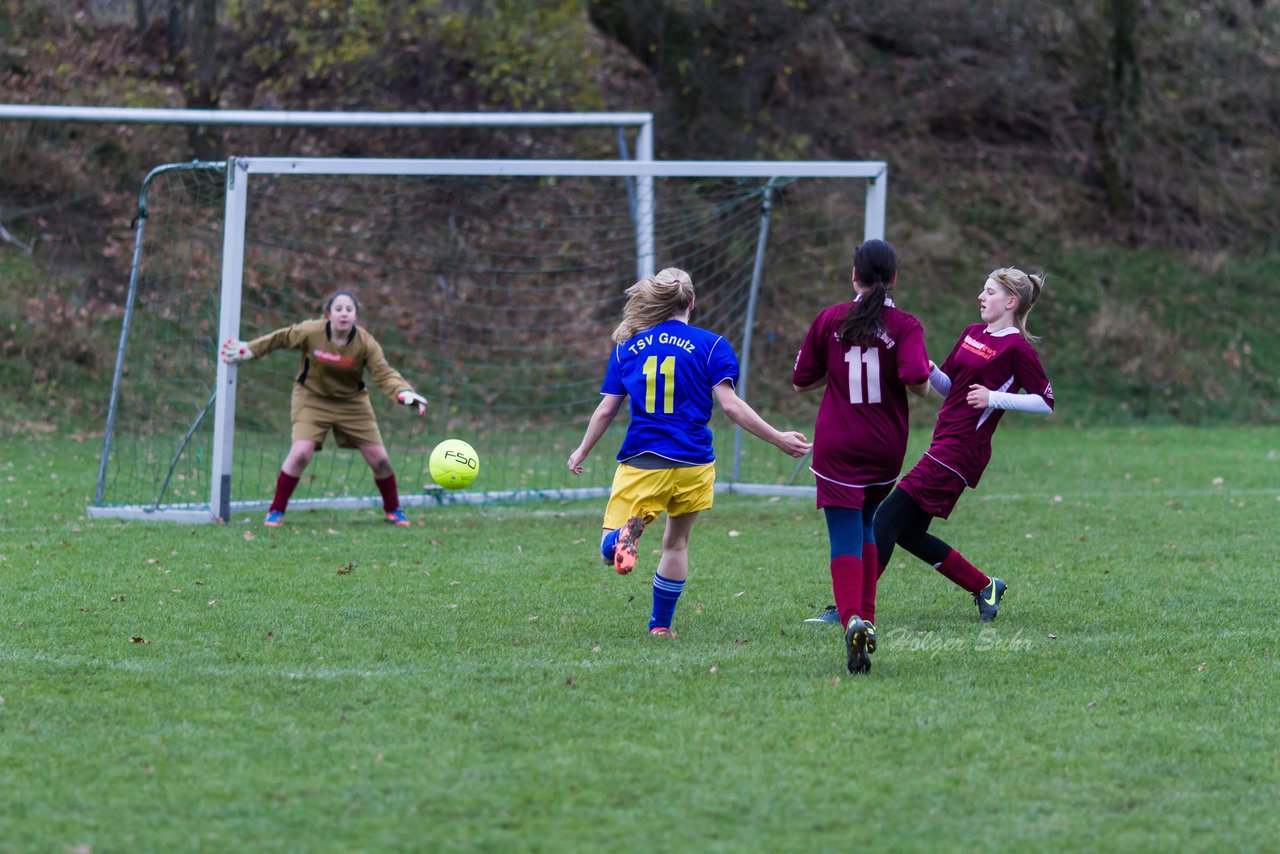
x=1153, y=122
x=1162, y=115
x=1011, y=129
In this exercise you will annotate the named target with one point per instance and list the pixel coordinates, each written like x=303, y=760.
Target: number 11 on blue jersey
x=667, y=368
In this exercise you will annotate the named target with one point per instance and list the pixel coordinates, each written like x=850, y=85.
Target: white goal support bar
x=318, y=118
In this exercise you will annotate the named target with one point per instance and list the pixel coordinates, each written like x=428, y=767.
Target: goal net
x=493, y=287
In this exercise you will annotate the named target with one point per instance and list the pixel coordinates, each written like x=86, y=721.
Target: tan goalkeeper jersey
x=333, y=368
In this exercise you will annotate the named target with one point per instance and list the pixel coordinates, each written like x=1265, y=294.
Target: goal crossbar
x=314, y=118
x=870, y=169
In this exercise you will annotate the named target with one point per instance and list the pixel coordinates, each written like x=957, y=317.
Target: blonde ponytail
x=1026, y=287
x=653, y=300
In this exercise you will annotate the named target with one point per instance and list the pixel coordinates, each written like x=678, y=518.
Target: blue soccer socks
x=609, y=545
x=666, y=593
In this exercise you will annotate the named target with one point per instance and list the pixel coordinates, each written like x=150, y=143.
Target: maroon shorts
x=933, y=486
x=832, y=494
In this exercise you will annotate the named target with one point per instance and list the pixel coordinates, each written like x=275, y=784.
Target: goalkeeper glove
x=412, y=398
x=235, y=351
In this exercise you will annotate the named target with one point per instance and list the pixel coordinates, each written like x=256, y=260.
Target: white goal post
x=242, y=175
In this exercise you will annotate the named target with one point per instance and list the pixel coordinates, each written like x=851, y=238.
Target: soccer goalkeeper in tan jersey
x=330, y=394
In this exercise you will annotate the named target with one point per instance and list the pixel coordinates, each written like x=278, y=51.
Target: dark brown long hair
x=876, y=263
x=328, y=301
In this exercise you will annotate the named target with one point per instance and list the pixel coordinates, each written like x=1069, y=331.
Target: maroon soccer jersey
x=1000, y=361
x=861, y=432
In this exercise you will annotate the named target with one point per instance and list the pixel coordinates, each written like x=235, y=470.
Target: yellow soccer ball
x=454, y=464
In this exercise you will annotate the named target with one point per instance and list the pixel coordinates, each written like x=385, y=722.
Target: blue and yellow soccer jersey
x=669, y=372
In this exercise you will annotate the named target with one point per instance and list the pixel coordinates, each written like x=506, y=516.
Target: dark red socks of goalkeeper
x=390, y=495
x=285, y=484
x=871, y=571
x=846, y=583
x=963, y=573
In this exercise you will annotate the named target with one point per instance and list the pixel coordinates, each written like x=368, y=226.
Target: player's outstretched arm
x=291, y=337
x=791, y=443
x=599, y=423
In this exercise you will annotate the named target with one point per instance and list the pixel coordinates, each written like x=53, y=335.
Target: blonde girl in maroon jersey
x=991, y=369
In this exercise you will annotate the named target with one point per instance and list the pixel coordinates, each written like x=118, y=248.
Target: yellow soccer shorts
x=351, y=419
x=649, y=492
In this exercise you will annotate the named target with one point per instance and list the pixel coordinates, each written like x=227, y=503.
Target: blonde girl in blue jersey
x=672, y=372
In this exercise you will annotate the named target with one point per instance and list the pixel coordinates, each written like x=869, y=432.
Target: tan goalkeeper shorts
x=350, y=418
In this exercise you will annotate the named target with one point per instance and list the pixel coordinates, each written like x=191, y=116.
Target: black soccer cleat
x=858, y=641
x=988, y=599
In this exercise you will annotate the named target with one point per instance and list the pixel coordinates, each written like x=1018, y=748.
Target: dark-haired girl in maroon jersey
x=992, y=368
x=866, y=354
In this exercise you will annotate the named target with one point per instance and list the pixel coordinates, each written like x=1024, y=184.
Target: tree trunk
x=173, y=28
x=202, y=78
x=1120, y=109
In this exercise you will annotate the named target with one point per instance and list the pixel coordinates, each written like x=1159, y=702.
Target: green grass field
x=481, y=683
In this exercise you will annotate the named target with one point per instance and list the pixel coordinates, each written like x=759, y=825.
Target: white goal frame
x=239, y=174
